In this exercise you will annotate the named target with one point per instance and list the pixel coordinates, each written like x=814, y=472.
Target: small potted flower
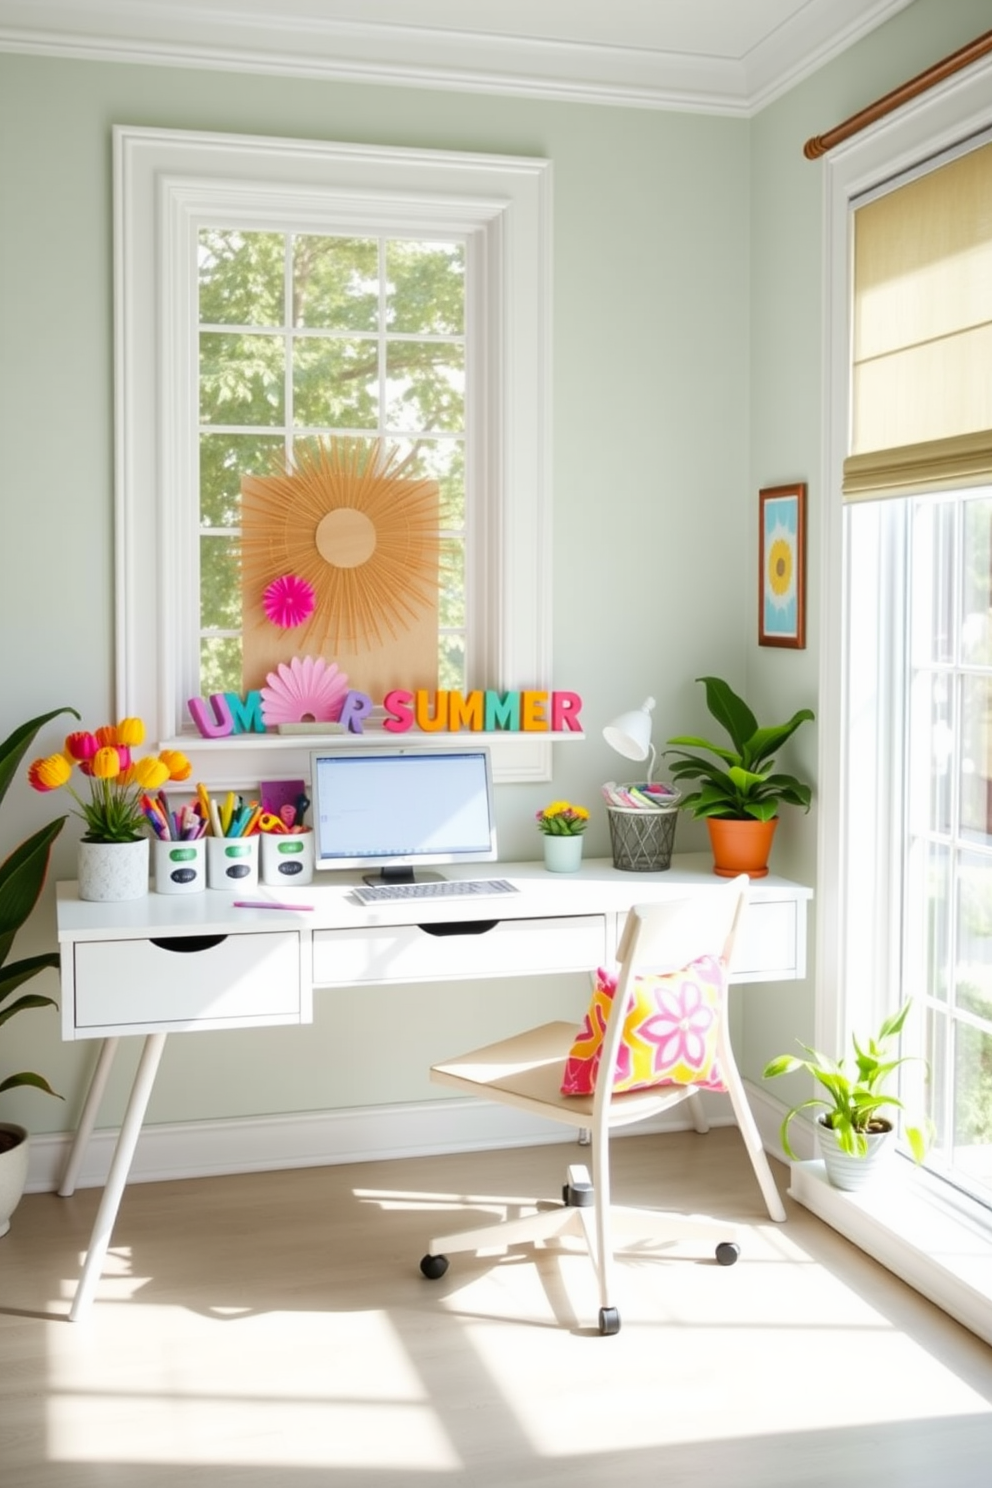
x=113, y=855
x=562, y=825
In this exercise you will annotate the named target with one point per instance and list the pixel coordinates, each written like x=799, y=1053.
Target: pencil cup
x=287, y=858
x=232, y=862
x=180, y=867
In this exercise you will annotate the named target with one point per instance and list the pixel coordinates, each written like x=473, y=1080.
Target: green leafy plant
x=22, y=877
x=854, y=1100
x=740, y=782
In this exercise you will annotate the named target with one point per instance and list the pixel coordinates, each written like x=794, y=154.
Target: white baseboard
x=206, y=1149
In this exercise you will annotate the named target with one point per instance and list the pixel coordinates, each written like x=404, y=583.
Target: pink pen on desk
x=268, y=904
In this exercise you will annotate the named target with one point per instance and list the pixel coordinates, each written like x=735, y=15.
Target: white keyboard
x=441, y=888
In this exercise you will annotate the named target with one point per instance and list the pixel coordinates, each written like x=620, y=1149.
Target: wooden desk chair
x=683, y=936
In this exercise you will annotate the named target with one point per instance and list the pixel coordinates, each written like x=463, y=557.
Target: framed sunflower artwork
x=782, y=566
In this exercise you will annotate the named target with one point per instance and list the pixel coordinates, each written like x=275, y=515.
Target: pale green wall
x=686, y=374
x=786, y=401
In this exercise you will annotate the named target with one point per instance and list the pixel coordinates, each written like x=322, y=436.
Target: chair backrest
x=667, y=936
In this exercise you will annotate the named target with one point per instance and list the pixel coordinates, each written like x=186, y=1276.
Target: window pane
x=220, y=665
x=941, y=1085
x=241, y=277
x=933, y=612
x=336, y=283
x=974, y=938
x=241, y=379
x=425, y=288
x=335, y=384
x=976, y=759
x=441, y=460
x=451, y=668
x=976, y=584
x=220, y=583
x=931, y=763
x=973, y=1104
x=425, y=386
x=224, y=459
x=937, y=920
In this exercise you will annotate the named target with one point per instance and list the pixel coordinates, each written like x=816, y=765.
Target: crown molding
x=290, y=39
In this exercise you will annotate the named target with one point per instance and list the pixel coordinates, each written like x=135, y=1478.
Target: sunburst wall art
x=782, y=566
x=350, y=526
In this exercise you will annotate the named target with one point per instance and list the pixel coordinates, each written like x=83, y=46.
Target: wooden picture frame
x=782, y=566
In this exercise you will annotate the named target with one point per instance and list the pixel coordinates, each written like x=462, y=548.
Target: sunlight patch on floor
x=683, y=1315
x=356, y=1402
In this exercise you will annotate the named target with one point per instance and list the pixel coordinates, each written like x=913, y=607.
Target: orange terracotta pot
x=741, y=846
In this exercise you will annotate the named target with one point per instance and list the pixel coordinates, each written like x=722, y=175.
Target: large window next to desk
x=205, y=380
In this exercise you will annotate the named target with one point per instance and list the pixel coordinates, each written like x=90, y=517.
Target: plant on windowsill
x=740, y=784
x=22, y=876
x=852, y=1131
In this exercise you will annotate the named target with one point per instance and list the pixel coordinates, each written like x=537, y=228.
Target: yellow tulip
x=130, y=731
x=48, y=774
x=106, y=763
x=150, y=773
x=177, y=764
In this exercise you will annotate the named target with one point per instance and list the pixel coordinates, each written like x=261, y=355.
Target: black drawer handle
x=187, y=943
x=460, y=927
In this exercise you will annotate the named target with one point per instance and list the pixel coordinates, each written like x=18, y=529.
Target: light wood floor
x=274, y=1331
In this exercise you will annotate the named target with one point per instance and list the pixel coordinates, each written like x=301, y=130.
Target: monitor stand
x=401, y=875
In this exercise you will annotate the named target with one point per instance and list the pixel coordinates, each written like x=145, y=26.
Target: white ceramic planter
x=109, y=872
x=563, y=854
x=852, y=1173
x=13, y=1173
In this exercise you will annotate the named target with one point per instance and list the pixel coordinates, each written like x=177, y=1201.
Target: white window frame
x=907, y=1228
x=167, y=184
x=933, y=123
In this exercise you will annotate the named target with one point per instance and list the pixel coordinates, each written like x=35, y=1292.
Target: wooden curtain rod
x=821, y=143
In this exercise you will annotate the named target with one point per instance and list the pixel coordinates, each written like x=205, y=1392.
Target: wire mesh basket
x=642, y=839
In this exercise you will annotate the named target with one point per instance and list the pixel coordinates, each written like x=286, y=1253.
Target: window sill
x=233, y=761
x=904, y=1224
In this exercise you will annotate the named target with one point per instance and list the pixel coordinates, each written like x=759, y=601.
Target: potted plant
x=113, y=855
x=852, y=1130
x=562, y=825
x=740, y=784
x=22, y=876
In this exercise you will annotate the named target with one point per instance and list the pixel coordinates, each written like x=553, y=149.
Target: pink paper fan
x=303, y=690
x=288, y=601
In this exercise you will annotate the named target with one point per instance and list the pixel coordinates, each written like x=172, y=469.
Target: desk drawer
x=138, y=986
x=410, y=953
x=772, y=942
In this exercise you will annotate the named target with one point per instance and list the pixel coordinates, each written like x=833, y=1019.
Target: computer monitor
x=397, y=807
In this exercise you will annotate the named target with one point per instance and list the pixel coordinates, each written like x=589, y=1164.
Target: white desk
x=186, y=963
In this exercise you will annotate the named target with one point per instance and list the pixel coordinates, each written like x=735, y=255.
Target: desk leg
x=87, y=1120
x=117, y=1177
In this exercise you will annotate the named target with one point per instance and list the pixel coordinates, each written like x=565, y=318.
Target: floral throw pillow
x=669, y=1035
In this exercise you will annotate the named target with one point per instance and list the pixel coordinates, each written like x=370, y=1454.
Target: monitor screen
x=399, y=806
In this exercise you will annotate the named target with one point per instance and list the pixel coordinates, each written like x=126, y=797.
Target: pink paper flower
x=288, y=601
x=304, y=690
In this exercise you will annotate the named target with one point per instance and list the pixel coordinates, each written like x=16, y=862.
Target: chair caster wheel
x=434, y=1267
x=727, y=1253
x=609, y=1321
x=577, y=1195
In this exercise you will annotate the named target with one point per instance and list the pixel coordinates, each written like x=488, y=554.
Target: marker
x=267, y=904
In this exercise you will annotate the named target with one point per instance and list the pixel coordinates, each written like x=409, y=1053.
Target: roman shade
x=921, y=389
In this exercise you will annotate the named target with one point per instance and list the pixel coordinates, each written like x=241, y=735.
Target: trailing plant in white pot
x=22, y=876
x=853, y=1128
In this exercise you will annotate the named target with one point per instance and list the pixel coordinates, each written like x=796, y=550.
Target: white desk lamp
x=630, y=735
